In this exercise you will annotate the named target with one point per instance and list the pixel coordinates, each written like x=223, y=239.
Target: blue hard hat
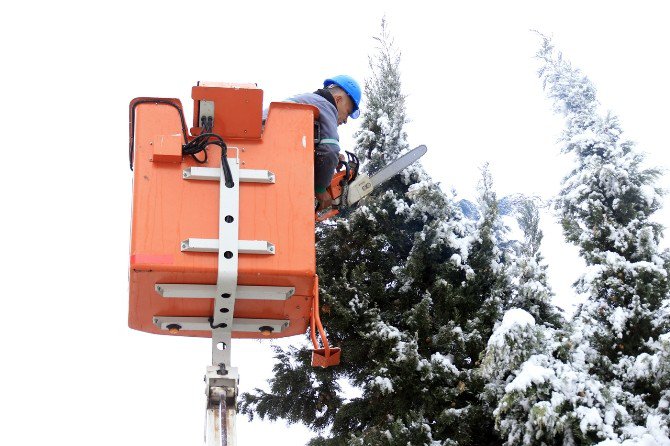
x=348, y=84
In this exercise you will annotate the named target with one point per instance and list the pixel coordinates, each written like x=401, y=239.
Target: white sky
x=72, y=371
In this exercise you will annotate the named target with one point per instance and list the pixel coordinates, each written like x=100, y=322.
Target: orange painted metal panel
x=237, y=111
x=168, y=209
x=167, y=148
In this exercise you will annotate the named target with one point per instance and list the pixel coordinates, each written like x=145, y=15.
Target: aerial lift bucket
x=211, y=259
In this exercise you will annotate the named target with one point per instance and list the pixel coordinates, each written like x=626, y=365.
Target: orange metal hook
x=326, y=356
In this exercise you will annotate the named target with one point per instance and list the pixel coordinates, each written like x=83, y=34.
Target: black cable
x=193, y=147
x=197, y=145
x=133, y=106
x=200, y=143
x=212, y=326
x=227, y=173
x=200, y=161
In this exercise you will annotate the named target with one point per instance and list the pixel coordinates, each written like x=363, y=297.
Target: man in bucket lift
x=339, y=99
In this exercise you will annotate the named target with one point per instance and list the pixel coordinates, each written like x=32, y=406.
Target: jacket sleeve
x=326, y=153
x=325, y=162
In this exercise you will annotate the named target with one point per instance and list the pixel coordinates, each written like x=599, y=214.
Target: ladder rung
x=202, y=324
x=214, y=174
x=212, y=245
x=200, y=291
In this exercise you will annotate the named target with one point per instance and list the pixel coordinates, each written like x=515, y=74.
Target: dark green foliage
x=411, y=291
x=410, y=294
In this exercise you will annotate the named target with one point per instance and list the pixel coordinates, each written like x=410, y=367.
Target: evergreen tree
x=382, y=137
x=411, y=291
x=541, y=383
x=606, y=205
x=603, y=380
x=525, y=337
x=529, y=271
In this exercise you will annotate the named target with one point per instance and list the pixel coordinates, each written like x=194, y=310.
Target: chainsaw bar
x=390, y=170
x=363, y=185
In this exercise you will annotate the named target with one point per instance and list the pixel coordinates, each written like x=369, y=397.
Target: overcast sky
x=72, y=371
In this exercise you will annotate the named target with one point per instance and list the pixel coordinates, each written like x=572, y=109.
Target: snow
x=384, y=123
x=648, y=194
x=653, y=366
x=355, y=304
x=512, y=319
x=446, y=362
x=530, y=374
x=590, y=417
x=401, y=206
x=383, y=384
x=366, y=212
x=385, y=331
x=616, y=262
x=618, y=319
x=654, y=433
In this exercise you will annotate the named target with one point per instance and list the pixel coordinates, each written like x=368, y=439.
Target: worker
x=338, y=100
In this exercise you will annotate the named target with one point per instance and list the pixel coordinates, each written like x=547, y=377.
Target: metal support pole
x=221, y=377
x=226, y=284
x=221, y=408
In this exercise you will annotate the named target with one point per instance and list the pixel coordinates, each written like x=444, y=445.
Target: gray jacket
x=325, y=153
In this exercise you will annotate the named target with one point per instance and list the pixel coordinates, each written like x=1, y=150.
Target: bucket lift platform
x=224, y=259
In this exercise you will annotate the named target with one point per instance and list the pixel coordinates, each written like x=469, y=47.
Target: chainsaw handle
x=325, y=216
x=337, y=185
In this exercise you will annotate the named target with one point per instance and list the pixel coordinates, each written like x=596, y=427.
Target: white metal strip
x=198, y=291
x=221, y=347
x=256, y=247
x=257, y=176
x=214, y=174
x=200, y=245
x=202, y=324
x=212, y=245
x=226, y=282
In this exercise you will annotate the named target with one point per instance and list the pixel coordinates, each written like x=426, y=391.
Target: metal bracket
x=206, y=110
x=214, y=174
x=221, y=392
x=168, y=323
x=226, y=282
x=212, y=245
x=198, y=291
x=221, y=378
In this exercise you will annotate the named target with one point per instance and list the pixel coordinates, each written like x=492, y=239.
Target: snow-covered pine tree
x=489, y=287
x=605, y=381
x=529, y=272
x=382, y=137
x=529, y=325
x=606, y=206
x=545, y=393
x=537, y=380
x=410, y=292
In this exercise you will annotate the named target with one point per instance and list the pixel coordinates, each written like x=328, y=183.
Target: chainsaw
x=348, y=186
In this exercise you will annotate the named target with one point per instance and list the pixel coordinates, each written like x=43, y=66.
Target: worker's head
x=347, y=95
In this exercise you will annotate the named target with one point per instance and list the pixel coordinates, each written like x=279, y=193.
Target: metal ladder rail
x=221, y=378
